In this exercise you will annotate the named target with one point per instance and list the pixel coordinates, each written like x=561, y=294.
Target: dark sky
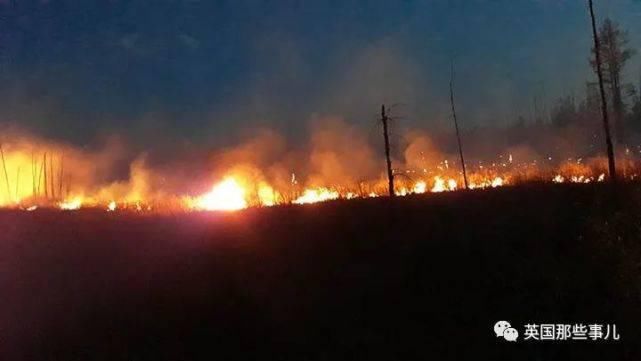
x=205, y=70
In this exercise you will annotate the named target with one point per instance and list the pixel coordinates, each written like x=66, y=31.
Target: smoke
x=36, y=165
x=338, y=155
x=421, y=152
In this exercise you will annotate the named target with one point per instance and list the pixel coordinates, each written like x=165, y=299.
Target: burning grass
x=261, y=173
x=235, y=191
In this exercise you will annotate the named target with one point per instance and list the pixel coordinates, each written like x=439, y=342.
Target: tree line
x=623, y=96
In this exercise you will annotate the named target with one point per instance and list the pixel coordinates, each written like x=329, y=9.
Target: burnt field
x=423, y=277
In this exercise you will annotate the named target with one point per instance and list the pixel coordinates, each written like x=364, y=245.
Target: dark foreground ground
x=424, y=278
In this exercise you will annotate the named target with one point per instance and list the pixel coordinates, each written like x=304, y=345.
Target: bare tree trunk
x=604, y=104
x=61, y=175
x=33, y=176
x=44, y=163
x=53, y=178
x=40, y=174
x=619, y=112
x=6, y=175
x=390, y=174
x=615, y=87
x=17, y=183
x=458, y=135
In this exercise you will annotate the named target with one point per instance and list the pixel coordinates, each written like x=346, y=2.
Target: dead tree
x=52, y=182
x=61, y=175
x=458, y=135
x=390, y=173
x=17, y=184
x=33, y=175
x=44, y=163
x=6, y=175
x=604, y=104
x=40, y=178
x=615, y=53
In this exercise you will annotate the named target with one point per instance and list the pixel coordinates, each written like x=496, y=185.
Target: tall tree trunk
x=619, y=113
x=40, y=176
x=17, y=184
x=390, y=174
x=458, y=135
x=6, y=175
x=52, y=182
x=61, y=175
x=33, y=175
x=44, y=163
x=604, y=104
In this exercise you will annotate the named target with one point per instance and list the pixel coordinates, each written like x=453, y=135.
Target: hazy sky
x=204, y=70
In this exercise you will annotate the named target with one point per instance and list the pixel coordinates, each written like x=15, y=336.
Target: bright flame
x=266, y=195
x=71, y=204
x=316, y=195
x=495, y=182
x=227, y=195
x=402, y=192
x=40, y=174
x=420, y=187
x=439, y=185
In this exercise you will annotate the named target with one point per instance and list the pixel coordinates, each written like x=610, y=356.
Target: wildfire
x=227, y=195
x=71, y=204
x=316, y=195
x=441, y=186
x=578, y=179
x=41, y=174
x=420, y=187
x=267, y=195
x=488, y=183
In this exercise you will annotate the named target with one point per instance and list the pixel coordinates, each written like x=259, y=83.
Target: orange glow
x=38, y=174
x=267, y=195
x=496, y=182
x=441, y=186
x=227, y=195
x=316, y=195
x=71, y=204
x=420, y=187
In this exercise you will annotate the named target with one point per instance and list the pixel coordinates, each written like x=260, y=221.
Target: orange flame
x=227, y=195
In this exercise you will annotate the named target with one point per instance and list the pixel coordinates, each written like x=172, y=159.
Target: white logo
x=596, y=332
x=505, y=330
x=500, y=327
x=510, y=334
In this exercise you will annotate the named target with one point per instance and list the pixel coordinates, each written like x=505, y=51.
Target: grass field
x=424, y=277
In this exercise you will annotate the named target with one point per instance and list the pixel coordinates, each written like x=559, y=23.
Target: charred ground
x=425, y=276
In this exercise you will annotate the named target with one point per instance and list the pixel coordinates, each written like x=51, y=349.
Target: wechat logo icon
x=505, y=330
